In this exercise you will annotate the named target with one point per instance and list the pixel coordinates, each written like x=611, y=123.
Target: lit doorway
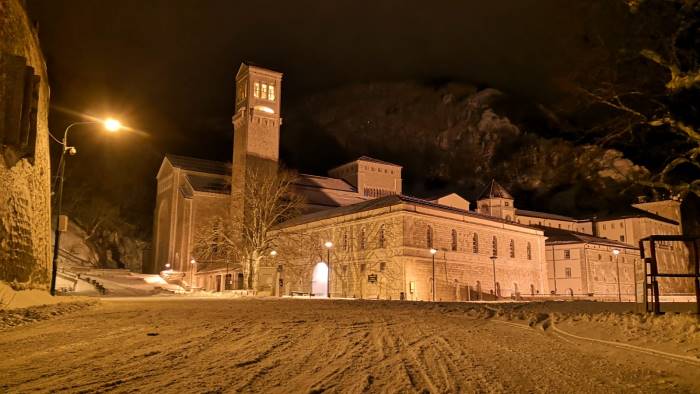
x=319, y=281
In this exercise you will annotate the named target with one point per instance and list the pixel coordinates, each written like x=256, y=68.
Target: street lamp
x=493, y=261
x=617, y=264
x=110, y=125
x=432, y=252
x=328, y=245
x=193, y=262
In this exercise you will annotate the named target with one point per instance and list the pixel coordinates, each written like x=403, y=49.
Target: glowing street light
x=328, y=245
x=111, y=125
x=273, y=253
x=432, y=252
x=193, y=263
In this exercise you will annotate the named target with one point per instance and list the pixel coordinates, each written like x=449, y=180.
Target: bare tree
x=267, y=200
x=650, y=83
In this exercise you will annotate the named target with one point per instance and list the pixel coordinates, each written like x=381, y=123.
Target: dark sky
x=167, y=66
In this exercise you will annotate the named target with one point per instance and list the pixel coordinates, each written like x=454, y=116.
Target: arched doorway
x=319, y=280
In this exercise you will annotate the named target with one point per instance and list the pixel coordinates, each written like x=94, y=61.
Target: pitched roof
x=383, y=202
x=199, y=165
x=209, y=184
x=323, y=182
x=561, y=236
x=634, y=212
x=544, y=215
x=494, y=190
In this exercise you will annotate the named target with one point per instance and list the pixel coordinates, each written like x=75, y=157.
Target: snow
x=183, y=344
x=13, y=299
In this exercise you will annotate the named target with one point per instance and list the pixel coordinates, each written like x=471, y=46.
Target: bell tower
x=256, y=123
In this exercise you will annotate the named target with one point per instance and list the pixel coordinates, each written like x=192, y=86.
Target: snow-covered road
x=285, y=345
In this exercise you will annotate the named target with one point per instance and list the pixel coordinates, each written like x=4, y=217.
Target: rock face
x=101, y=249
x=25, y=231
x=457, y=137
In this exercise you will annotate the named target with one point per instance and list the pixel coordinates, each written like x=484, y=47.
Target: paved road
x=181, y=345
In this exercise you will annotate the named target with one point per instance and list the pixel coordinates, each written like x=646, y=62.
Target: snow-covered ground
x=181, y=344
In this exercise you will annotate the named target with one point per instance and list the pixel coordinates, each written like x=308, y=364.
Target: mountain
x=455, y=138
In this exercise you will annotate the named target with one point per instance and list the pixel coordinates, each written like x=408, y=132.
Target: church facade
x=361, y=237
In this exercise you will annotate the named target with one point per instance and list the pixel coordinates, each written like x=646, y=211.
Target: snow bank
x=12, y=299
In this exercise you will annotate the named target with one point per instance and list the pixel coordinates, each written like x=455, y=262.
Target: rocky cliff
x=455, y=138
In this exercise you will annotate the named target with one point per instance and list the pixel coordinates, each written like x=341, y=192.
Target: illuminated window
x=256, y=89
x=512, y=248
x=263, y=91
x=271, y=92
x=475, y=244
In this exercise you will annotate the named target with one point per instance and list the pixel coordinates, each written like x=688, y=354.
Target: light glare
x=112, y=125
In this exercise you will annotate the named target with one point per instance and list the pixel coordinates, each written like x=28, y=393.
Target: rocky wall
x=25, y=229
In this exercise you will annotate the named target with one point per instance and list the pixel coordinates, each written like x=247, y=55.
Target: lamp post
x=432, y=252
x=193, y=263
x=617, y=264
x=110, y=125
x=275, y=285
x=493, y=262
x=328, y=245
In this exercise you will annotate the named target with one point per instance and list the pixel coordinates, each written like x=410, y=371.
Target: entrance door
x=218, y=283
x=228, y=282
x=239, y=281
x=319, y=281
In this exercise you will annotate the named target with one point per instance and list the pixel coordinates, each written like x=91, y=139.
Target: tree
x=268, y=200
x=650, y=83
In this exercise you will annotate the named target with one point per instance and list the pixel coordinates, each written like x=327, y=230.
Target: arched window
x=494, y=246
x=381, y=236
x=429, y=237
x=529, y=251
x=512, y=249
x=362, y=239
x=475, y=243
x=454, y=239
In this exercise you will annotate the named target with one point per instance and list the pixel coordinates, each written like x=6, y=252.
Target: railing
x=652, y=274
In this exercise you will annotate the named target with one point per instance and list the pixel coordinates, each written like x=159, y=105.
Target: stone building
x=382, y=249
x=381, y=239
x=620, y=232
x=25, y=228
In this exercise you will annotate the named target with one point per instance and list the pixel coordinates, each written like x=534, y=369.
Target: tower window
x=256, y=89
x=263, y=91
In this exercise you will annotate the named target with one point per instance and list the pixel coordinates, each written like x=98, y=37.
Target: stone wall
x=25, y=229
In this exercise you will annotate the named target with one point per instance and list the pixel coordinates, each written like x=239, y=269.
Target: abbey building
x=362, y=237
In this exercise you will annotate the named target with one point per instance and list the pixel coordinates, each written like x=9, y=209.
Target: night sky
x=167, y=67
